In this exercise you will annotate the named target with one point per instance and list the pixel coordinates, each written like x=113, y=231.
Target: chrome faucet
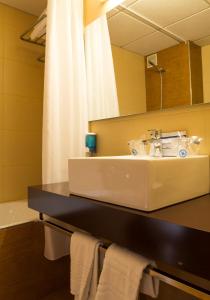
x=155, y=143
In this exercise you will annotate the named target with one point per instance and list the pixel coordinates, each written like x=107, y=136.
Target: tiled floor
x=59, y=295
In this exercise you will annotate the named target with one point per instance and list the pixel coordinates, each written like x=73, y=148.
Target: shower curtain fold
x=101, y=84
x=65, y=116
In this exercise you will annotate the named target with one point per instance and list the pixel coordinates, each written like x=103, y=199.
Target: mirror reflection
x=161, y=53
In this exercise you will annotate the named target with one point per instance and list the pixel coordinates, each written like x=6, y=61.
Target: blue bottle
x=90, y=142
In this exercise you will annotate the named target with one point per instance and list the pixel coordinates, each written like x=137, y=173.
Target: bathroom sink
x=142, y=183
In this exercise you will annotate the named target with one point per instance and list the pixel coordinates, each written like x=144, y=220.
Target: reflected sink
x=142, y=183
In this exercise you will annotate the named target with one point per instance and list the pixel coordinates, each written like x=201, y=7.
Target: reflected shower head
x=158, y=69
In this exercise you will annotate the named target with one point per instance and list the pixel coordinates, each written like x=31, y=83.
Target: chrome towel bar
x=40, y=41
x=164, y=277
x=26, y=35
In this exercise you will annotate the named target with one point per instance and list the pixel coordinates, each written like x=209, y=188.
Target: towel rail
x=154, y=272
x=41, y=59
x=40, y=40
x=25, y=36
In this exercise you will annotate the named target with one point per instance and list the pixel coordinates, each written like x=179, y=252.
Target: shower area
x=21, y=94
x=176, y=66
x=24, y=271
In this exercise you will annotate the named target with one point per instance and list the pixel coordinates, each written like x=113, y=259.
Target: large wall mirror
x=161, y=53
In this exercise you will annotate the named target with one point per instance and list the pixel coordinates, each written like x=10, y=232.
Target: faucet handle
x=155, y=133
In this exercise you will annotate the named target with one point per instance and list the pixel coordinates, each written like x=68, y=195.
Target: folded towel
x=84, y=251
x=121, y=276
x=39, y=29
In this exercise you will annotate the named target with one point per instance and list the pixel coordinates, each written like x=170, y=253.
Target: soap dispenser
x=90, y=143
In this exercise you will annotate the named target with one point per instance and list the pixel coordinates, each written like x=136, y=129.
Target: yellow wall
x=114, y=134
x=130, y=81
x=21, y=89
x=206, y=72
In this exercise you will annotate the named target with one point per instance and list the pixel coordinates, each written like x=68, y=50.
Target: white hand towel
x=121, y=275
x=84, y=251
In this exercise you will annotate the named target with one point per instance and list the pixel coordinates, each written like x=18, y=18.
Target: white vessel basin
x=141, y=183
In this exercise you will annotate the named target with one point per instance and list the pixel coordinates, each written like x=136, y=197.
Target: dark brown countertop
x=193, y=213
x=177, y=236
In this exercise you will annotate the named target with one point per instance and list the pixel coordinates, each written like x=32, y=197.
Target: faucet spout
x=155, y=143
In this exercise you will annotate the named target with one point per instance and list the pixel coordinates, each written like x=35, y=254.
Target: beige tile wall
x=21, y=92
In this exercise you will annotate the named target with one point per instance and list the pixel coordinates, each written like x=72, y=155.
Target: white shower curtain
x=65, y=119
x=101, y=85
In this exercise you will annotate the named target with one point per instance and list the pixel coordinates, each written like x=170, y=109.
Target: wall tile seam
x=35, y=132
x=34, y=164
x=22, y=98
x=35, y=64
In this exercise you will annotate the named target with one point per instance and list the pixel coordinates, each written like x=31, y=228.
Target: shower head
x=157, y=68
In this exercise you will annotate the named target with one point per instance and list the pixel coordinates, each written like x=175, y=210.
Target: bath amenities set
x=162, y=144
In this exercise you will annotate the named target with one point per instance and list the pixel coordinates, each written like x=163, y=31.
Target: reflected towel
x=56, y=244
x=84, y=252
x=121, y=276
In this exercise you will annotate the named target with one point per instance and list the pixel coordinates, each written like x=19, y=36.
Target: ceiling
x=148, y=26
x=34, y=7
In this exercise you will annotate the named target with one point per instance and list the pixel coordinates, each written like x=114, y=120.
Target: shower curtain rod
x=151, y=271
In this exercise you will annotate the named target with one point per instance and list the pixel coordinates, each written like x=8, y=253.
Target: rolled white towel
x=84, y=251
x=121, y=277
x=40, y=29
